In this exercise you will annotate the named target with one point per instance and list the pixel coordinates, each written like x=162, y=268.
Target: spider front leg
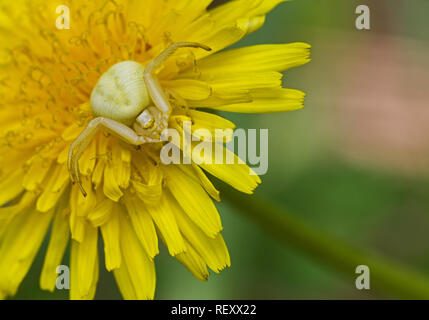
x=156, y=92
x=83, y=140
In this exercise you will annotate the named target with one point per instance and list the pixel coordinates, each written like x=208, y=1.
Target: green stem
x=385, y=276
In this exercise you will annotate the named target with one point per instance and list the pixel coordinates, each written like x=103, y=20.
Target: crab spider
x=130, y=104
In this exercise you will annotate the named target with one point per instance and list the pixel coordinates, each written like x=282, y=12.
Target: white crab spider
x=129, y=103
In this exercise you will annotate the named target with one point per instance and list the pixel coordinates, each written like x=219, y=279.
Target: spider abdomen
x=120, y=93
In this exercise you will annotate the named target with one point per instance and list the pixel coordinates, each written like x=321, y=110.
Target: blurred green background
x=353, y=163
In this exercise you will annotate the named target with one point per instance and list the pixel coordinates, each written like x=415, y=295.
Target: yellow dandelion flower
x=47, y=78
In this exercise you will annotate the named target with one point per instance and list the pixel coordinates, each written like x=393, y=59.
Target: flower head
x=46, y=79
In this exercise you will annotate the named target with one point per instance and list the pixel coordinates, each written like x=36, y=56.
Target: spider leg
x=156, y=92
x=82, y=141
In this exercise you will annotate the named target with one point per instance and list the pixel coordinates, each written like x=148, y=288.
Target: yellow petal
x=237, y=86
x=230, y=34
x=143, y=225
x=125, y=284
x=166, y=223
x=234, y=10
x=251, y=24
x=212, y=250
x=177, y=14
x=60, y=235
x=149, y=194
x=121, y=161
x=213, y=123
x=194, y=8
x=259, y=58
x=55, y=186
x=110, y=232
x=111, y=186
x=239, y=175
x=265, y=6
x=77, y=227
x=194, y=200
x=145, y=11
x=19, y=246
x=149, y=188
x=72, y=132
x=195, y=172
x=193, y=262
x=97, y=175
x=223, y=35
x=88, y=159
x=35, y=175
x=189, y=89
x=101, y=214
x=232, y=169
x=136, y=276
x=77, y=222
x=146, y=170
x=62, y=156
x=83, y=205
x=9, y=212
x=221, y=98
x=84, y=265
x=102, y=159
x=220, y=33
x=269, y=101
x=11, y=186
